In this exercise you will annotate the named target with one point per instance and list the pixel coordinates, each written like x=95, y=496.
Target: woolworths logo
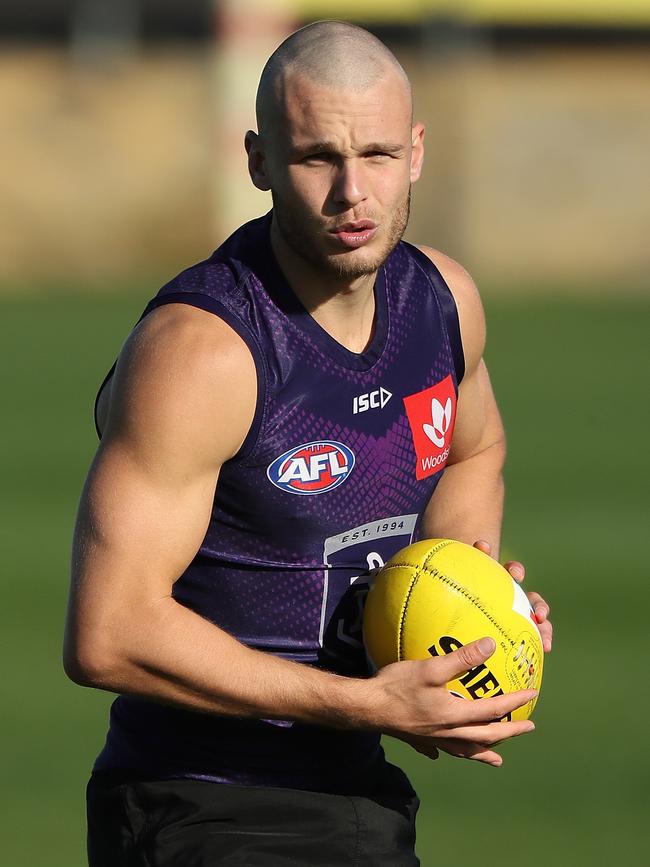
x=440, y=421
x=431, y=415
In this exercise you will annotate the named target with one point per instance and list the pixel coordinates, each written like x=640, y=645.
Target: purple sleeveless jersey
x=343, y=455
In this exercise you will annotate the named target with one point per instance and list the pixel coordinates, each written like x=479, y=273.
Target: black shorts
x=193, y=823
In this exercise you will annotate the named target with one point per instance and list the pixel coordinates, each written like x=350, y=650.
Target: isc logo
x=312, y=468
x=372, y=400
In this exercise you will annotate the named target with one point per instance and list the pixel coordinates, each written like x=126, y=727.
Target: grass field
x=572, y=383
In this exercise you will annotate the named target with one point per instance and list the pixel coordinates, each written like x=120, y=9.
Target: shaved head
x=333, y=54
x=338, y=150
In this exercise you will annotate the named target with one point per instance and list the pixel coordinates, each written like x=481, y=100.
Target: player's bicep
x=134, y=536
x=135, y=518
x=478, y=422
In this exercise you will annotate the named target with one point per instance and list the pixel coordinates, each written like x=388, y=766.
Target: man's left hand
x=540, y=606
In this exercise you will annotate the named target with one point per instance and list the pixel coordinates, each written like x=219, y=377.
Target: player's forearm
x=175, y=656
x=468, y=502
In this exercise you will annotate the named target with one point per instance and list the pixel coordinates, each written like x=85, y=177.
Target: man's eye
x=374, y=155
x=316, y=158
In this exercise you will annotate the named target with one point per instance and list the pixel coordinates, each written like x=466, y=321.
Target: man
x=262, y=447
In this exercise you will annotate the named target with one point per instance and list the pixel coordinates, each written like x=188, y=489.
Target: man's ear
x=256, y=161
x=417, y=151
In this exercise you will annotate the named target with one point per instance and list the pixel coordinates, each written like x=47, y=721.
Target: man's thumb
x=452, y=665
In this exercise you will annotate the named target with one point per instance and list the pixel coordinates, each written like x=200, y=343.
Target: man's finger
x=547, y=642
x=476, y=752
x=546, y=631
x=490, y=734
x=483, y=546
x=540, y=606
x=442, y=669
x=516, y=570
x=487, y=710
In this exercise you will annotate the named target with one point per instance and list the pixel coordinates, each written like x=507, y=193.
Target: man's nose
x=349, y=187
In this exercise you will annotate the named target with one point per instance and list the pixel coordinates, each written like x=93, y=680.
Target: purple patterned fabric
x=323, y=489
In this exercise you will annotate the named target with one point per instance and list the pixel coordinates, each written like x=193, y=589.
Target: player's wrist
x=340, y=702
x=355, y=703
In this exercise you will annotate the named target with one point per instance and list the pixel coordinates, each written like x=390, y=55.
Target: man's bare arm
x=468, y=502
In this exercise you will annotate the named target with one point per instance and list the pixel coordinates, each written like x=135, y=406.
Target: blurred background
x=121, y=162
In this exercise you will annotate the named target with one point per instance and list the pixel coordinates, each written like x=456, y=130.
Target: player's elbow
x=493, y=447
x=493, y=463
x=498, y=450
x=82, y=668
x=488, y=456
x=88, y=663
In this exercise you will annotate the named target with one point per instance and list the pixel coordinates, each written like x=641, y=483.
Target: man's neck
x=343, y=307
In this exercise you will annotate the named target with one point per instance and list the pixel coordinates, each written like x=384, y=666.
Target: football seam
x=414, y=580
x=473, y=599
x=393, y=564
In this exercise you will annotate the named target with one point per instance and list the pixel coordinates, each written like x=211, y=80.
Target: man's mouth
x=355, y=234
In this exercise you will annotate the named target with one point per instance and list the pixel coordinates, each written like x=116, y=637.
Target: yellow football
x=437, y=595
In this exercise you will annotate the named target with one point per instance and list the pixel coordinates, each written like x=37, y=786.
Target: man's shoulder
x=442, y=269
x=187, y=330
x=182, y=363
x=457, y=278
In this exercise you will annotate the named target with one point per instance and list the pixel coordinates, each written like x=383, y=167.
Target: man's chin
x=352, y=265
x=357, y=263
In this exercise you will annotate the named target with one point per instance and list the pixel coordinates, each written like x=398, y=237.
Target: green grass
x=571, y=382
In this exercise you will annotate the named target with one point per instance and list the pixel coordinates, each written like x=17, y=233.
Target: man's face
x=340, y=164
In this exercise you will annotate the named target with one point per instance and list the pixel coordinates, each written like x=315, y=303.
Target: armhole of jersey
x=447, y=304
x=211, y=305
x=99, y=394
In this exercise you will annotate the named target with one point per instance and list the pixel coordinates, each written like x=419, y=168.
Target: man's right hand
x=416, y=707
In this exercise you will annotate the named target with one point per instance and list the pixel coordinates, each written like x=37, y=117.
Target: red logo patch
x=432, y=415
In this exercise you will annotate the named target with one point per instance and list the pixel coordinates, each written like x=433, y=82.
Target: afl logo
x=312, y=468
